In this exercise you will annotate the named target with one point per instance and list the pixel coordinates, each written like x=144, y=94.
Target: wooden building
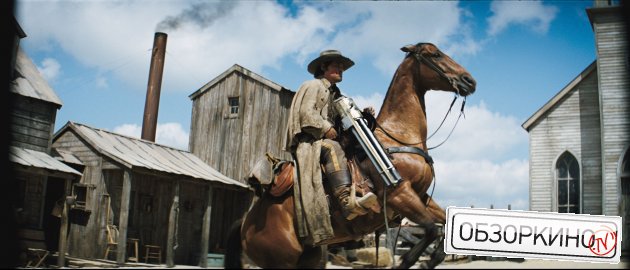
x=153, y=195
x=236, y=118
x=42, y=181
x=580, y=140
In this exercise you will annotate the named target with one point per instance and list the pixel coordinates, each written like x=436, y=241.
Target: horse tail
x=234, y=248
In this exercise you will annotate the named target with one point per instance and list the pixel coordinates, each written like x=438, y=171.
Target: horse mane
x=407, y=55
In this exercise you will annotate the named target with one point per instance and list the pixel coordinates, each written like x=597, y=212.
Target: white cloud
x=375, y=101
x=131, y=130
x=197, y=52
x=172, y=134
x=480, y=133
x=101, y=82
x=50, y=68
x=532, y=14
x=382, y=28
x=169, y=134
x=481, y=183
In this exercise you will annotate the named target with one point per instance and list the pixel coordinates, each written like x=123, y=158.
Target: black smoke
x=201, y=14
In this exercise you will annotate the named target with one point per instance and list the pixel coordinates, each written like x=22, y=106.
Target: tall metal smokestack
x=152, y=102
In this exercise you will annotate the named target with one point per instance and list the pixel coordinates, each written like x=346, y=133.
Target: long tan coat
x=309, y=115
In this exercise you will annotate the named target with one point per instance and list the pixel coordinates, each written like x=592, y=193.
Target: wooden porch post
x=171, y=244
x=205, y=230
x=63, y=230
x=121, y=253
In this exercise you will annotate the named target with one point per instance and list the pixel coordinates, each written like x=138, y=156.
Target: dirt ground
x=525, y=264
x=458, y=264
x=532, y=264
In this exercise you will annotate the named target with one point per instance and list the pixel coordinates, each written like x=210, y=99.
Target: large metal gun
x=351, y=118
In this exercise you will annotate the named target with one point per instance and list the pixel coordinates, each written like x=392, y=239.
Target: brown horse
x=267, y=233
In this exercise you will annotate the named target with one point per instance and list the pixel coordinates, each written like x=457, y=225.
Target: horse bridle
x=435, y=67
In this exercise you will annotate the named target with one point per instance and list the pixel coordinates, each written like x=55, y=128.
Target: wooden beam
x=205, y=230
x=121, y=254
x=63, y=230
x=172, y=227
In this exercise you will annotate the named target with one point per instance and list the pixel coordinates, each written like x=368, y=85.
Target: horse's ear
x=408, y=48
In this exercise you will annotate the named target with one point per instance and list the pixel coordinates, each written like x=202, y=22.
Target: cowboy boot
x=346, y=196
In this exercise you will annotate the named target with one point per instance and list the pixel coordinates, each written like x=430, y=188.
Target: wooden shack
x=42, y=181
x=153, y=194
x=236, y=118
x=580, y=140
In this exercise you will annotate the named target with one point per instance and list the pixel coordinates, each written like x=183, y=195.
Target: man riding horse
x=311, y=135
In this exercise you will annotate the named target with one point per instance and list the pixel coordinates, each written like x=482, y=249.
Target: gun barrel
x=352, y=119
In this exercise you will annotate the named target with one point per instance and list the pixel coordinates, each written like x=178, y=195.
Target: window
x=233, y=106
x=82, y=196
x=568, y=180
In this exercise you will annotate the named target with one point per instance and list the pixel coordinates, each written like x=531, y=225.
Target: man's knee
x=332, y=156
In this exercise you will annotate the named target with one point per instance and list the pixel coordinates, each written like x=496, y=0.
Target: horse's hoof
x=424, y=265
x=404, y=265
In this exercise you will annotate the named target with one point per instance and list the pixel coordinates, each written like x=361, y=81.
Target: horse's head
x=439, y=71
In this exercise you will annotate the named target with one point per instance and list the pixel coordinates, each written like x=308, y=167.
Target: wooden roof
x=242, y=70
x=558, y=97
x=137, y=153
x=29, y=82
x=32, y=159
x=66, y=156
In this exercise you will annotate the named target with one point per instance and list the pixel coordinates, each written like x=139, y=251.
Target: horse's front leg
x=438, y=255
x=404, y=200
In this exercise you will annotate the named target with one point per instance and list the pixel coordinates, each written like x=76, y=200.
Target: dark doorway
x=52, y=217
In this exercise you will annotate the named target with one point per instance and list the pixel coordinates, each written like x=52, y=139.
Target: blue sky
x=96, y=56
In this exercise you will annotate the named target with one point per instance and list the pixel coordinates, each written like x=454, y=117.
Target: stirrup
x=368, y=200
x=361, y=205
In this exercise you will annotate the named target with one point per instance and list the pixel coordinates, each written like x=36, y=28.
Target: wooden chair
x=112, y=240
x=153, y=252
x=132, y=243
x=33, y=244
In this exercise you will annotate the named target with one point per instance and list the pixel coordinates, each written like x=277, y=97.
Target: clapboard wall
x=151, y=196
x=232, y=143
x=612, y=65
x=33, y=123
x=571, y=124
x=93, y=230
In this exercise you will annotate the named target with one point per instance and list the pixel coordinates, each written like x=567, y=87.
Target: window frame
x=232, y=111
x=83, y=196
x=567, y=159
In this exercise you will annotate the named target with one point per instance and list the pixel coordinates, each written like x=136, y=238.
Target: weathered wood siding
x=591, y=161
x=33, y=123
x=149, y=205
x=32, y=192
x=93, y=231
x=572, y=125
x=233, y=144
x=612, y=64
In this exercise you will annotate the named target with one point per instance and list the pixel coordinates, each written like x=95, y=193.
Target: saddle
x=272, y=175
x=276, y=177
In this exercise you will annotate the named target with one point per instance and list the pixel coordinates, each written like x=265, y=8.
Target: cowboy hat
x=330, y=55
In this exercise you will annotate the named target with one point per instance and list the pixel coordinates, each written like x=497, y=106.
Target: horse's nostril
x=469, y=80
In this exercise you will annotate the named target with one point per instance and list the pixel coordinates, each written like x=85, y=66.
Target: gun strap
x=411, y=150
